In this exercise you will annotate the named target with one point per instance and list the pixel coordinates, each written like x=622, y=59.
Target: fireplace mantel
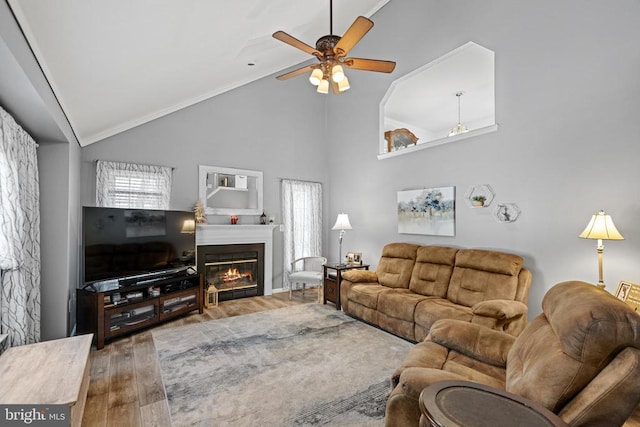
x=241, y=233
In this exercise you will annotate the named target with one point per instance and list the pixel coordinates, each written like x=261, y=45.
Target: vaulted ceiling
x=114, y=65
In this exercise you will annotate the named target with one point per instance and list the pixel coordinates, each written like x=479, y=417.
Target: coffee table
x=464, y=403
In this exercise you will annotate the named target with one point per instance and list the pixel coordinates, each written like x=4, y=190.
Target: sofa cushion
x=399, y=303
x=396, y=264
x=481, y=275
x=367, y=295
x=432, y=270
x=432, y=309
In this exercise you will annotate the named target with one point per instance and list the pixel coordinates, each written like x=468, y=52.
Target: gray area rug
x=306, y=365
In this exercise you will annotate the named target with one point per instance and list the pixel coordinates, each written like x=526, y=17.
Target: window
x=129, y=185
x=302, y=221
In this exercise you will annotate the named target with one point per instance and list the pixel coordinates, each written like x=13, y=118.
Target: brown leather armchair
x=580, y=359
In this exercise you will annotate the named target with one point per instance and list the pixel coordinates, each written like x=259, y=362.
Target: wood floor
x=126, y=388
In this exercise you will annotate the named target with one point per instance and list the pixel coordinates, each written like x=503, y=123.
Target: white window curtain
x=130, y=185
x=302, y=221
x=19, y=234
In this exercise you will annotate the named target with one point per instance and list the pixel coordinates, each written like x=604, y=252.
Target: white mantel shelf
x=229, y=234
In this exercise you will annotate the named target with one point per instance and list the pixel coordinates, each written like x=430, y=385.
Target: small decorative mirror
x=446, y=100
x=228, y=191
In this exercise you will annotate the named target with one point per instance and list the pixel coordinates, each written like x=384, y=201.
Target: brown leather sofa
x=580, y=359
x=413, y=286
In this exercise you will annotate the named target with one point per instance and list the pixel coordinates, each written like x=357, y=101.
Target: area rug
x=306, y=365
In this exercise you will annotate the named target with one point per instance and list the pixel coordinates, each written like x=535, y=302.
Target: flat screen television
x=123, y=243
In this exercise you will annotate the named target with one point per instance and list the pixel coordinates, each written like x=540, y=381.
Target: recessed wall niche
x=424, y=101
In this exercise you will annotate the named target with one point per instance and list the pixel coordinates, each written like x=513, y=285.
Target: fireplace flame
x=234, y=274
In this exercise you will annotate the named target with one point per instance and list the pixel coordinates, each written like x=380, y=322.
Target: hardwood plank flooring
x=126, y=388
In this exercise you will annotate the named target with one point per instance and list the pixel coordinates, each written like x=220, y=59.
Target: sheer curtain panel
x=19, y=234
x=130, y=185
x=302, y=221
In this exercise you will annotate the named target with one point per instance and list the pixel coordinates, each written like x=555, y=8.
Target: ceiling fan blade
x=370, y=64
x=296, y=72
x=352, y=36
x=290, y=40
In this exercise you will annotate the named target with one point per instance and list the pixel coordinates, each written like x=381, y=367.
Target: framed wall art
x=430, y=211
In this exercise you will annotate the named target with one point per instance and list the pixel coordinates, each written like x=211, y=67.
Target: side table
x=333, y=277
x=52, y=372
x=464, y=403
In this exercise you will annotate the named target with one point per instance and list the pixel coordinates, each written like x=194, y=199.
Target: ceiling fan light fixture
x=344, y=84
x=323, y=87
x=316, y=77
x=337, y=73
x=332, y=51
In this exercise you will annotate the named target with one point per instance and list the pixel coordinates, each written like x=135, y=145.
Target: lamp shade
x=342, y=223
x=316, y=77
x=188, y=226
x=337, y=73
x=601, y=227
x=323, y=86
x=344, y=84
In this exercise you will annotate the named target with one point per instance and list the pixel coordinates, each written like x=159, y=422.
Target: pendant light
x=459, y=128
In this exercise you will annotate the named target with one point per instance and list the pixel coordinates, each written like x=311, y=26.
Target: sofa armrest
x=360, y=276
x=475, y=341
x=500, y=309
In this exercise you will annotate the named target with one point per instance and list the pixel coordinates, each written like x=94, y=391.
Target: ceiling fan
x=331, y=51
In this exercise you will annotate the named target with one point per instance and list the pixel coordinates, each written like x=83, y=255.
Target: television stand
x=135, y=305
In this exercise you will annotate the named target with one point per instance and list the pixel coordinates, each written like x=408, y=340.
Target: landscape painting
x=429, y=211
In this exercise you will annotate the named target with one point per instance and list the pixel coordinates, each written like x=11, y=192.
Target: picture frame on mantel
x=230, y=191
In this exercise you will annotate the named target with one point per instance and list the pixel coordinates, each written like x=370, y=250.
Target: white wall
x=567, y=102
x=271, y=126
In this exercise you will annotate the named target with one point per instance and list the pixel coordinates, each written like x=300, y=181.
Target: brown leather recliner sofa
x=580, y=359
x=413, y=286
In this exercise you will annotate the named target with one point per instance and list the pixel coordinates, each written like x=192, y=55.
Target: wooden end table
x=333, y=277
x=464, y=403
x=52, y=372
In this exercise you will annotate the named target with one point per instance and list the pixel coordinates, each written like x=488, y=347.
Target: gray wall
x=271, y=126
x=567, y=92
x=25, y=93
x=59, y=165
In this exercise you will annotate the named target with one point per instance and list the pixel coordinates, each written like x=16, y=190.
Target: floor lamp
x=601, y=227
x=342, y=224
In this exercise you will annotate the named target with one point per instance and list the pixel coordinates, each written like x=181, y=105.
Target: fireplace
x=236, y=270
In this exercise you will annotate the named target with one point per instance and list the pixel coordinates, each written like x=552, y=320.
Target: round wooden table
x=468, y=404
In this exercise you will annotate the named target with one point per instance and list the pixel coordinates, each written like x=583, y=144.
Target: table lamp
x=601, y=227
x=342, y=224
x=188, y=226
